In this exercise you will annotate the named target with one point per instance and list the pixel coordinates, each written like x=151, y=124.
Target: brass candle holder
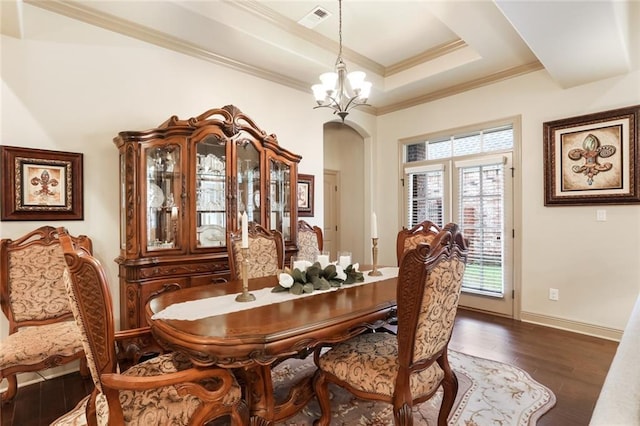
x=245, y=296
x=374, y=251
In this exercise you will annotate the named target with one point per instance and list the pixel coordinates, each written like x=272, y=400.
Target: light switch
x=601, y=215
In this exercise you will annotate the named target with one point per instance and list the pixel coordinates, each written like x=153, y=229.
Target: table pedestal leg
x=261, y=400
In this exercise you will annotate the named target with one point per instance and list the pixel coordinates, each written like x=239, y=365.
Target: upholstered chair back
x=42, y=333
x=427, y=306
x=309, y=241
x=408, y=239
x=265, y=254
x=32, y=277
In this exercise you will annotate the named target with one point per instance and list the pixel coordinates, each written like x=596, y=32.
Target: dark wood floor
x=572, y=365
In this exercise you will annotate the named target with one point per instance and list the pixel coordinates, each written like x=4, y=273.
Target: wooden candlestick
x=374, y=250
x=245, y=296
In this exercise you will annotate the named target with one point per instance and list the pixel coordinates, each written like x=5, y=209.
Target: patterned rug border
x=476, y=404
x=533, y=413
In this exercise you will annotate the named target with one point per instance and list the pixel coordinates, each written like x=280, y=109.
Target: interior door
x=331, y=213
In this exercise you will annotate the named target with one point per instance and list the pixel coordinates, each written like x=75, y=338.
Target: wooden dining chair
x=164, y=390
x=266, y=252
x=42, y=333
x=309, y=241
x=406, y=369
x=408, y=239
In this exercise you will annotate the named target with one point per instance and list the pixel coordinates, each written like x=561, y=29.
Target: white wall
x=69, y=86
x=593, y=264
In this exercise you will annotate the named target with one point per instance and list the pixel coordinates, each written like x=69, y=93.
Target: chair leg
x=84, y=368
x=403, y=416
x=450, y=391
x=12, y=388
x=322, y=393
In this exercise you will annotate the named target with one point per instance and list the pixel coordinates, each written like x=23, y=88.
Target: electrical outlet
x=554, y=294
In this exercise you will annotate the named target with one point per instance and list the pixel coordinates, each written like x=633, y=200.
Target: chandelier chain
x=340, y=28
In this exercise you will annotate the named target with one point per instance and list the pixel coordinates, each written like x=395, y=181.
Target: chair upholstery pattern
x=369, y=363
x=164, y=405
x=203, y=394
x=34, y=300
x=265, y=252
x=309, y=241
x=408, y=368
x=408, y=239
x=43, y=265
x=439, y=307
x=33, y=345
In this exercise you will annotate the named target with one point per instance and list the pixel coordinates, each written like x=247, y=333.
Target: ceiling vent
x=313, y=18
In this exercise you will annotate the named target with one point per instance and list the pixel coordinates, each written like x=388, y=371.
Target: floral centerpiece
x=314, y=277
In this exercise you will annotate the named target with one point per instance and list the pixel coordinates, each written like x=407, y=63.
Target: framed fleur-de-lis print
x=38, y=184
x=592, y=159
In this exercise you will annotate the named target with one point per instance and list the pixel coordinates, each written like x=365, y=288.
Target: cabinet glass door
x=210, y=191
x=248, y=171
x=163, y=193
x=280, y=190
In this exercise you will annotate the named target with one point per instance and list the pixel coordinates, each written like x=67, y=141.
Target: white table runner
x=197, y=309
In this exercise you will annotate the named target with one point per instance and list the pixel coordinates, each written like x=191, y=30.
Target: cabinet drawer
x=185, y=269
x=209, y=279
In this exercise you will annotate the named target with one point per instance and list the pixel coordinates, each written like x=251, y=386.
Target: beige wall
x=593, y=264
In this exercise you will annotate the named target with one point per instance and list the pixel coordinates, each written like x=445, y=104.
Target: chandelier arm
x=334, y=102
x=355, y=103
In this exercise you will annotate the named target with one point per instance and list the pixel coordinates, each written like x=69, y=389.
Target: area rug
x=490, y=393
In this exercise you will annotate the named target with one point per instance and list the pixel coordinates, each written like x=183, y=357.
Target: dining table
x=213, y=329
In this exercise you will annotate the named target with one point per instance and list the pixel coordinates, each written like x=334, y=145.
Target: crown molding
x=429, y=55
x=460, y=88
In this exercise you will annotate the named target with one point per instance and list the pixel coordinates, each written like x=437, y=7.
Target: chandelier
x=333, y=92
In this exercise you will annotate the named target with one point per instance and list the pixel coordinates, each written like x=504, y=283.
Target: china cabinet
x=183, y=187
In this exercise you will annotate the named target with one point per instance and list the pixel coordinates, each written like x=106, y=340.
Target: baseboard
x=571, y=325
x=26, y=379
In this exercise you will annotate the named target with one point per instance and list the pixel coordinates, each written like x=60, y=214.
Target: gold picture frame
x=592, y=159
x=39, y=184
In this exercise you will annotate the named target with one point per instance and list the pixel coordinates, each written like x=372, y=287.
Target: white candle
x=245, y=234
x=344, y=261
x=374, y=226
x=323, y=260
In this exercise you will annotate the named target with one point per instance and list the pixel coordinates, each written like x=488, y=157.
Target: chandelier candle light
x=245, y=296
x=333, y=92
x=374, y=249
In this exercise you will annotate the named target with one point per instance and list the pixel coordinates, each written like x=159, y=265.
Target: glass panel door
x=163, y=191
x=248, y=171
x=210, y=191
x=280, y=195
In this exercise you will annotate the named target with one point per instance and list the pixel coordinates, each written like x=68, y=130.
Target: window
x=462, y=178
